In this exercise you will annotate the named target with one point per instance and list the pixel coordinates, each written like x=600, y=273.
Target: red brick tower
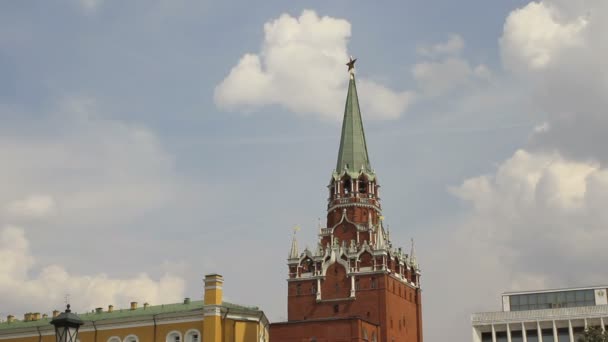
x=355, y=286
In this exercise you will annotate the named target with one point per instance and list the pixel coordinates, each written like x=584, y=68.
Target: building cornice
x=503, y=317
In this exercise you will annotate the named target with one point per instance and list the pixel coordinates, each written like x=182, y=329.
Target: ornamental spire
x=413, y=260
x=294, y=253
x=352, y=155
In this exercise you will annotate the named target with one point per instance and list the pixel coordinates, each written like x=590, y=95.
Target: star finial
x=351, y=64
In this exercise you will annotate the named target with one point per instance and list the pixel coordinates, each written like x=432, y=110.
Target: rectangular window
x=578, y=333
x=486, y=337
x=570, y=297
x=563, y=335
x=501, y=336
x=532, y=335
x=548, y=335
x=516, y=336
x=560, y=297
x=373, y=283
x=298, y=289
x=357, y=285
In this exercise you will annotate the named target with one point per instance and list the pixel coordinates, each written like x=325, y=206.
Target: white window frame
x=190, y=332
x=131, y=336
x=172, y=334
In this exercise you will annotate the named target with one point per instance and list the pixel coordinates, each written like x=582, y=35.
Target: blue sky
x=137, y=154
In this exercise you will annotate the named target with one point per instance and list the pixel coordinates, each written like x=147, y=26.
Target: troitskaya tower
x=355, y=285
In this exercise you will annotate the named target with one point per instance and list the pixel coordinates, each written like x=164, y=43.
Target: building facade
x=355, y=285
x=560, y=315
x=207, y=320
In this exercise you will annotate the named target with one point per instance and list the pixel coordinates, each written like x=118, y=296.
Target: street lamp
x=66, y=326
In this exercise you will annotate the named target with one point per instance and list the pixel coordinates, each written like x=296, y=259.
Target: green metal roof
x=352, y=156
x=127, y=313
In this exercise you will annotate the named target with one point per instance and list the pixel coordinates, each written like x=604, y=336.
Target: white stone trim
x=212, y=310
x=213, y=287
x=237, y=317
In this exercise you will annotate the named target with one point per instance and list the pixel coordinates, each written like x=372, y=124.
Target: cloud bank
x=43, y=290
x=301, y=68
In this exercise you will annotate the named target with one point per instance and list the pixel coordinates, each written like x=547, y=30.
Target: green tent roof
x=352, y=156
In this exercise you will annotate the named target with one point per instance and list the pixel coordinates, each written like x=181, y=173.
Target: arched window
x=362, y=186
x=347, y=186
x=114, y=339
x=174, y=336
x=131, y=338
x=193, y=335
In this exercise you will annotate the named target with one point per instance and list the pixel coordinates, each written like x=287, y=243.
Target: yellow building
x=208, y=320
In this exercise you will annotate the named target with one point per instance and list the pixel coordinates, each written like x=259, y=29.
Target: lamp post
x=66, y=326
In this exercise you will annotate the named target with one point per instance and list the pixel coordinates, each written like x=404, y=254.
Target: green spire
x=353, y=149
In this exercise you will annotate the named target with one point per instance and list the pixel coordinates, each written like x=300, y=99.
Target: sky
x=144, y=144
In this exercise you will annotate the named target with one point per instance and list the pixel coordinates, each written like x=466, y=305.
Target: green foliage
x=594, y=334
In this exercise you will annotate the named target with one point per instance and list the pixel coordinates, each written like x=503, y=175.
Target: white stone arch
x=131, y=338
x=190, y=335
x=332, y=260
x=174, y=336
x=114, y=339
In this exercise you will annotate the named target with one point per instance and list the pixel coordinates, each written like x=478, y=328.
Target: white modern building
x=559, y=315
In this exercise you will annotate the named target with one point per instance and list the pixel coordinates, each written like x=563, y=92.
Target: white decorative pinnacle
x=294, y=253
x=413, y=260
x=380, y=239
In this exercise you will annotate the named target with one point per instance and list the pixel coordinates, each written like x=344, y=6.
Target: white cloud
x=437, y=77
x=538, y=222
x=446, y=71
x=542, y=214
x=535, y=34
x=22, y=290
x=453, y=46
x=88, y=167
x=301, y=67
x=90, y=5
x=32, y=206
x=558, y=49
